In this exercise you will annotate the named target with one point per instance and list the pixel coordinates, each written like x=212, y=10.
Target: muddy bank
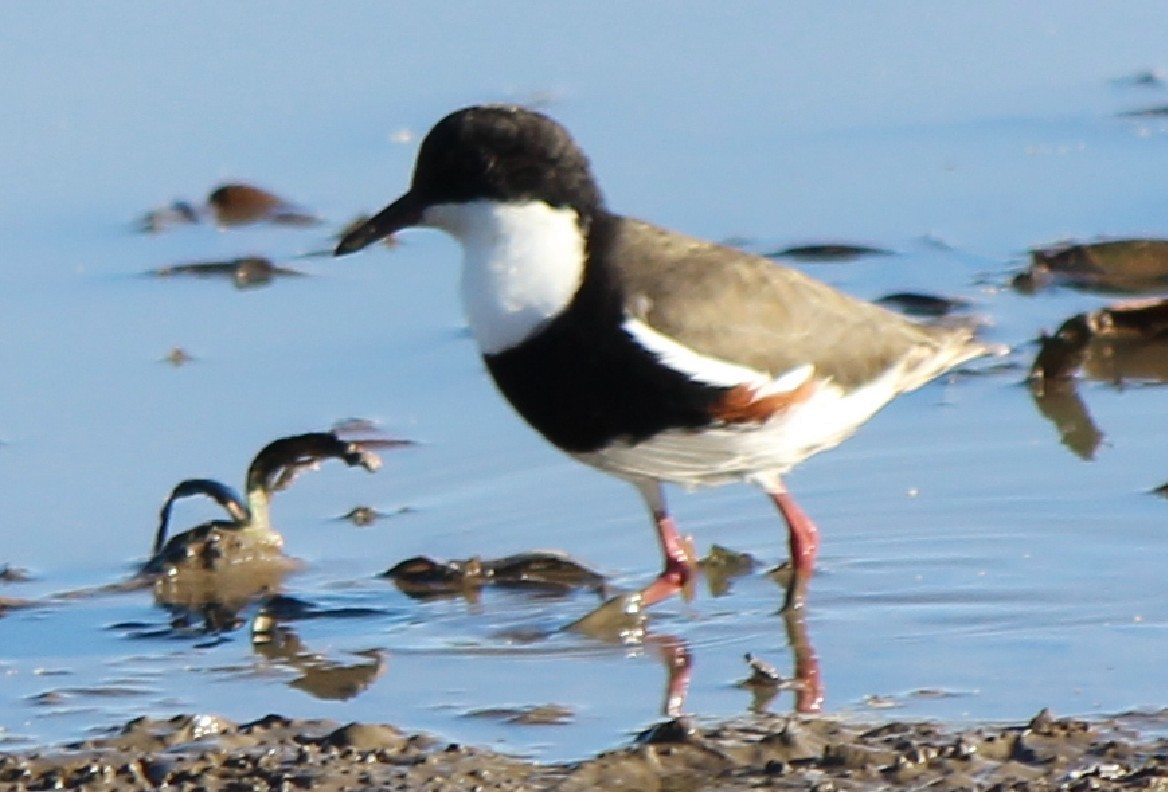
x=766, y=751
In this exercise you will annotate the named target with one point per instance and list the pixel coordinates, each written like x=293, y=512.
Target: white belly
x=735, y=452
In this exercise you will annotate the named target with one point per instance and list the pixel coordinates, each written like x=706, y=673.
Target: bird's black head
x=489, y=152
x=503, y=153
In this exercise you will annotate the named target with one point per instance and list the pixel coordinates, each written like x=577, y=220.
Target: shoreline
x=761, y=751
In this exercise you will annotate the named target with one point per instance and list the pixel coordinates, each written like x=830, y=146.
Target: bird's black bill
x=402, y=213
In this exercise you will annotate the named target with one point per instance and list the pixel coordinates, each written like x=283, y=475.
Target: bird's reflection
x=1118, y=345
x=765, y=684
x=623, y=619
x=620, y=619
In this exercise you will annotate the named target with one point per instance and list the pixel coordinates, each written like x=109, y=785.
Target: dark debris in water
x=1127, y=340
x=1124, y=342
x=542, y=571
x=1116, y=265
x=364, y=516
x=242, y=204
x=177, y=213
x=537, y=715
x=1060, y=355
x=1156, y=111
x=231, y=204
x=721, y=565
x=923, y=305
x=1144, y=78
x=762, y=673
x=620, y=618
x=178, y=356
x=14, y=603
x=423, y=577
x=208, y=574
x=828, y=251
x=764, y=683
x=244, y=273
x=11, y=574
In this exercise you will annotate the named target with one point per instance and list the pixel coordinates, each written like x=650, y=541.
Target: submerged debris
x=620, y=618
x=1112, y=343
x=231, y=204
x=213, y=570
x=238, y=204
x=177, y=213
x=11, y=574
x=14, y=603
x=828, y=251
x=923, y=305
x=1061, y=354
x=245, y=272
x=249, y=526
x=722, y=565
x=423, y=578
x=1156, y=111
x=1119, y=343
x=1110, y=265
x=1144, y=78
x=547, y=571
x=537, y=715
x=178, y=356
x=762, y=673
x=363, y=516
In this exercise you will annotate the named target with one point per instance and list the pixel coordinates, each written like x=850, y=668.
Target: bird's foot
x=678, y=577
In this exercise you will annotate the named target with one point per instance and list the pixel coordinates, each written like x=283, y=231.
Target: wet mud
x=759, y=752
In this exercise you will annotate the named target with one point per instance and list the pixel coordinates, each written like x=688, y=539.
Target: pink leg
x=802, y=536
x=680, y=566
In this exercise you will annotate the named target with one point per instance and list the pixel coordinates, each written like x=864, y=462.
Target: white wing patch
x=712, y=371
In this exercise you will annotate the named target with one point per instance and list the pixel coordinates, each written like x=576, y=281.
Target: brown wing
x=746, y=309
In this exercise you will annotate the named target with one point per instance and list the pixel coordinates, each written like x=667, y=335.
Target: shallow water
x=973, y=567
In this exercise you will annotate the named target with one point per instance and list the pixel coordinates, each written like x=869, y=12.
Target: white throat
x=522, y=264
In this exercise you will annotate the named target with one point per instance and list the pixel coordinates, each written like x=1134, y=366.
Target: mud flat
x=766, y=751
